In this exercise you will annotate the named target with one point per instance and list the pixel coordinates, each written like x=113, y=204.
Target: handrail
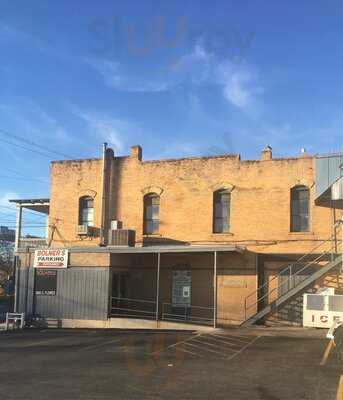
x=135, y=300
x=288, y=265
x=130, y=310
x=310, y=263
x=331, y=250
x=188, y=315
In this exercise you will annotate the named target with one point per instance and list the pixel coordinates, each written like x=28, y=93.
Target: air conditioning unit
x=115, y=224
x=122, y=237
x=84, y=230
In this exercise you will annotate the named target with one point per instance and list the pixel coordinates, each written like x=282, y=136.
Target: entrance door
x=181, y=294
x=119, y=302
x=119, y=285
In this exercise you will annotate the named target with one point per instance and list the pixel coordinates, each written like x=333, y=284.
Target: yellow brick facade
x=260, y=200
x=259, y=223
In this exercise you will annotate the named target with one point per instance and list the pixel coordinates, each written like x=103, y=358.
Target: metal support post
x=215, y=290
x=158, y=285
x=15, y=258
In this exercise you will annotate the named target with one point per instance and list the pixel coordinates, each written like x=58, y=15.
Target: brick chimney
x=266, y=153
x=136, y=152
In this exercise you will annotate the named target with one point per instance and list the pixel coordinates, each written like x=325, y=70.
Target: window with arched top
x=151, y=213
x=221, y=211
x=300, y=205
x=86, y=211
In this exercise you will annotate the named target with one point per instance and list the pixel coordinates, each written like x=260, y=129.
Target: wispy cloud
x=32, y=120
x=105, y=127
x=240, y=85
x=113, y=76
x=13, y=34
x=239, y=82
x=5, y=197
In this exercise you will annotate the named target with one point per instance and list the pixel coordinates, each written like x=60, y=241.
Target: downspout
x=103, y=197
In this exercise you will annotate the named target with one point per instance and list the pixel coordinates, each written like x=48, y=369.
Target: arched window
x=300, y=196
x=86, y=211
x=221, y=211
x=151, y=213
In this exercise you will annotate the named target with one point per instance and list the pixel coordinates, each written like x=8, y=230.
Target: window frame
x=82, y=207
x=215, y=218
x=296, y=215
x=153, y=220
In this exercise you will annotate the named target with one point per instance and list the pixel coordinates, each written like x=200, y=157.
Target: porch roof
x=39, y=205
x=160, y=249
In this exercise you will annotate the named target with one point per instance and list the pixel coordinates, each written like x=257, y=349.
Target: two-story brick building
x=206, y=240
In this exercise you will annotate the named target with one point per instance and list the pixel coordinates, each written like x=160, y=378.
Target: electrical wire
x=21, y=178
x=26, y=211
x=32, y=143
x=25, y=148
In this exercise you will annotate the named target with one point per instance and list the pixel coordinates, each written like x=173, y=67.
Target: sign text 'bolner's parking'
x=51, y=258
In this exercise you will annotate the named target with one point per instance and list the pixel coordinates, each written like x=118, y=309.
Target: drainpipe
x=103, y=197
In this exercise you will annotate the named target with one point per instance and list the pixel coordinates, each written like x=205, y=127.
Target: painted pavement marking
x=339, y=395
x=206, y=345
x=327, y=352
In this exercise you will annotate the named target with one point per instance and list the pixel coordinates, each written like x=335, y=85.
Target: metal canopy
x=159, y=249
x=39, y=205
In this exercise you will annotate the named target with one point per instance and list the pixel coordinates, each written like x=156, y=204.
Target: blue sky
x=180, y=78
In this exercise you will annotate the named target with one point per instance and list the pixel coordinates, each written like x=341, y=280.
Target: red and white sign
x=51, y=258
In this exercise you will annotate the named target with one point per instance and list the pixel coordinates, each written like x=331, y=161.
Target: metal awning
x=39, y=205
x=159, y=249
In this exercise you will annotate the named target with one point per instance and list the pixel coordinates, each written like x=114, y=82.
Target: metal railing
x=133, y=308
x=189, y=314
x=300, y=269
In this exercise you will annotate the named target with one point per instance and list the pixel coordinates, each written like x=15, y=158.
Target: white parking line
x=244, y=348
x=201, y=348
x=224, y=342
x=175, y=344
x=95, y=346
x=206, y=345
x=222, y=337
x=39, y=343
x=209, y=344
x=179, y=348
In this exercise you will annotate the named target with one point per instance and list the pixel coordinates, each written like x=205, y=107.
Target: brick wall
x=260, y=199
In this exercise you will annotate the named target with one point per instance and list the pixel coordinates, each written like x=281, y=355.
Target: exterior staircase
x=294, y=279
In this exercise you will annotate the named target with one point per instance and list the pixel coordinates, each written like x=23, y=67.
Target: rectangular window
x=221, y=211
x=299, y=209
x=151, y=214
x=86, y=217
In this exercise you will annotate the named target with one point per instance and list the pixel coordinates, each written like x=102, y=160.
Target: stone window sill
x=301, y=233
x=222, y=234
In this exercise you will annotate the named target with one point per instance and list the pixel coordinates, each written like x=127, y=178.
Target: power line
x=32, y=143
x=23, y=175
x=26, y=211
x=21, y=178
x=26, y=148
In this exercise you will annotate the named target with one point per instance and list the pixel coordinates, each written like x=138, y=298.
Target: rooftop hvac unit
x=84, y=230
x=115, y=224
x=122, y=237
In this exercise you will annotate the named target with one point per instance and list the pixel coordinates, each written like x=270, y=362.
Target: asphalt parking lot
x=98, y=364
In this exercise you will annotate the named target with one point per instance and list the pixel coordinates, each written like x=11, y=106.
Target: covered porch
x=202, y=285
